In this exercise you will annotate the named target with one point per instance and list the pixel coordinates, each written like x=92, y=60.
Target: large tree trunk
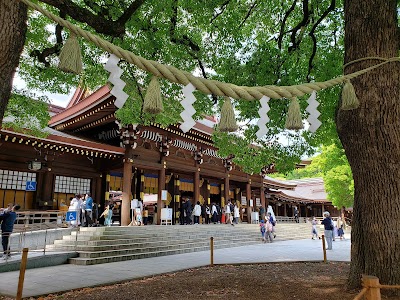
x=13, y=17
x=371, y=139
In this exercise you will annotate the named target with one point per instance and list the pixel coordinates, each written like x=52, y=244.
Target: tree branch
x=98, y=22
x=222, y=9
x=300, y=26
x=248, y=14
x=312, y=35
x=41, y=56
x=287, y=14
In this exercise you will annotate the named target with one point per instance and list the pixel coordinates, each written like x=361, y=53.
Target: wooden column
x=126, y=192
x=284, y=210
x=262, y=197
x=226, y=188
x=161, y=186
x=248, y=196
x=97, y=194
x=323, y=210
x=196, y=188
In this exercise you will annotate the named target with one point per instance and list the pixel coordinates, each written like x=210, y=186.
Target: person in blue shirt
x=88, y=210
x=328, y=226
x=7, y=225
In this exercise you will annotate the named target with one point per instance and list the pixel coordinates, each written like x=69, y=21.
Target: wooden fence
x=372, y=288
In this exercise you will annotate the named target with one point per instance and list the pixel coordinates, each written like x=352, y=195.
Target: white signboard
x=164, y=195
x=251, y=202
x=258, y=202
x=166, y=214
x=243, y=200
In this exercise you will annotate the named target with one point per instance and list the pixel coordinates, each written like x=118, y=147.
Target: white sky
x=56, y=99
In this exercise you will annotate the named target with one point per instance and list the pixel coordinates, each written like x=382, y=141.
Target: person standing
x=182, y=212
x=208, y=213
x=328, y=226
x=88, y=210
x=7, y=226
x=236, y=213
x=214, y=213
x=197, y=213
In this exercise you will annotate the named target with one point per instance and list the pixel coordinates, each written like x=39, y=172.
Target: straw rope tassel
x=349, y=97
x=70, y=56
x=153, y=101
x=228, y=121
x=293, y=118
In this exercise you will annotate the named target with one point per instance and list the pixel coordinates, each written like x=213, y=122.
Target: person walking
x=107, y=214
x=314, y=231
x=228, y=213
x=268, y=231
x=208, y=213
x=328, y=226
x=262, y=230
x=272, y=221
x=7, y=226
x=197, y=213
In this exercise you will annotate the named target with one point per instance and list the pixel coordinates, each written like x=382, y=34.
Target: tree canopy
x=242, y=42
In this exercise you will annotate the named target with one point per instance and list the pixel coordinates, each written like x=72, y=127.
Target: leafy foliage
x=26, y=114
x=242, y=42
x=332, y=165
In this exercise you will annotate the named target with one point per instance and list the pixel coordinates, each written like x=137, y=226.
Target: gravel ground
x=277, y=281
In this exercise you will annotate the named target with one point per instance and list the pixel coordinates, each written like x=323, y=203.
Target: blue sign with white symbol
x=71, y=216
x=30, y=186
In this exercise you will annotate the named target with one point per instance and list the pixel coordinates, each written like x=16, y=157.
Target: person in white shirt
x=197, y=213
x=228, y=213
x=236, y=213
x=214, y=213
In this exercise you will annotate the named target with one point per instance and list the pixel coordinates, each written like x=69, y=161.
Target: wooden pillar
x=323, y=209
x=226, y=184
x=107, y=188
x=126, y=192
x=222, y=194
x=97, y=194
x=134, y=183
x=196, y=186
x=248, y=197
x=262, y=197
x=284, y=210
x=161, y=186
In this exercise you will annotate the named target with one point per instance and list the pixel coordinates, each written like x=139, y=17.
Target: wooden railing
x=372, y=288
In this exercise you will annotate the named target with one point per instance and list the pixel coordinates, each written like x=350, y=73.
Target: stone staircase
x=97, y=245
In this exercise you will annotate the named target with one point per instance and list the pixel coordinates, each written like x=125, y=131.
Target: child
x=262, y=230
x=341, y=232
x=268, y=231
x=314, y=231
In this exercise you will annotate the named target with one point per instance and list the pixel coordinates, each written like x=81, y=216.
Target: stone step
x=102, y=260
x=133, y=250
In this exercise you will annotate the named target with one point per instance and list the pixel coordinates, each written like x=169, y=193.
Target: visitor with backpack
x=228, y=213
x=272, y=220
x=328, y=229
x=268, y=231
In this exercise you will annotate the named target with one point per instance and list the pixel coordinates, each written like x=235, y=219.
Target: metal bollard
x=212, y=251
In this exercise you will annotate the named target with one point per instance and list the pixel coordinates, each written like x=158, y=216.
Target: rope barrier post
x=22, y=273
x=212, y=251
x=324, y=247
x=372, y=283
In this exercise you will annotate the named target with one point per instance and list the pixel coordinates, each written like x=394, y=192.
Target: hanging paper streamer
x=314, y=113
x=264, y=119
x=115, y=74
x=189, y=110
